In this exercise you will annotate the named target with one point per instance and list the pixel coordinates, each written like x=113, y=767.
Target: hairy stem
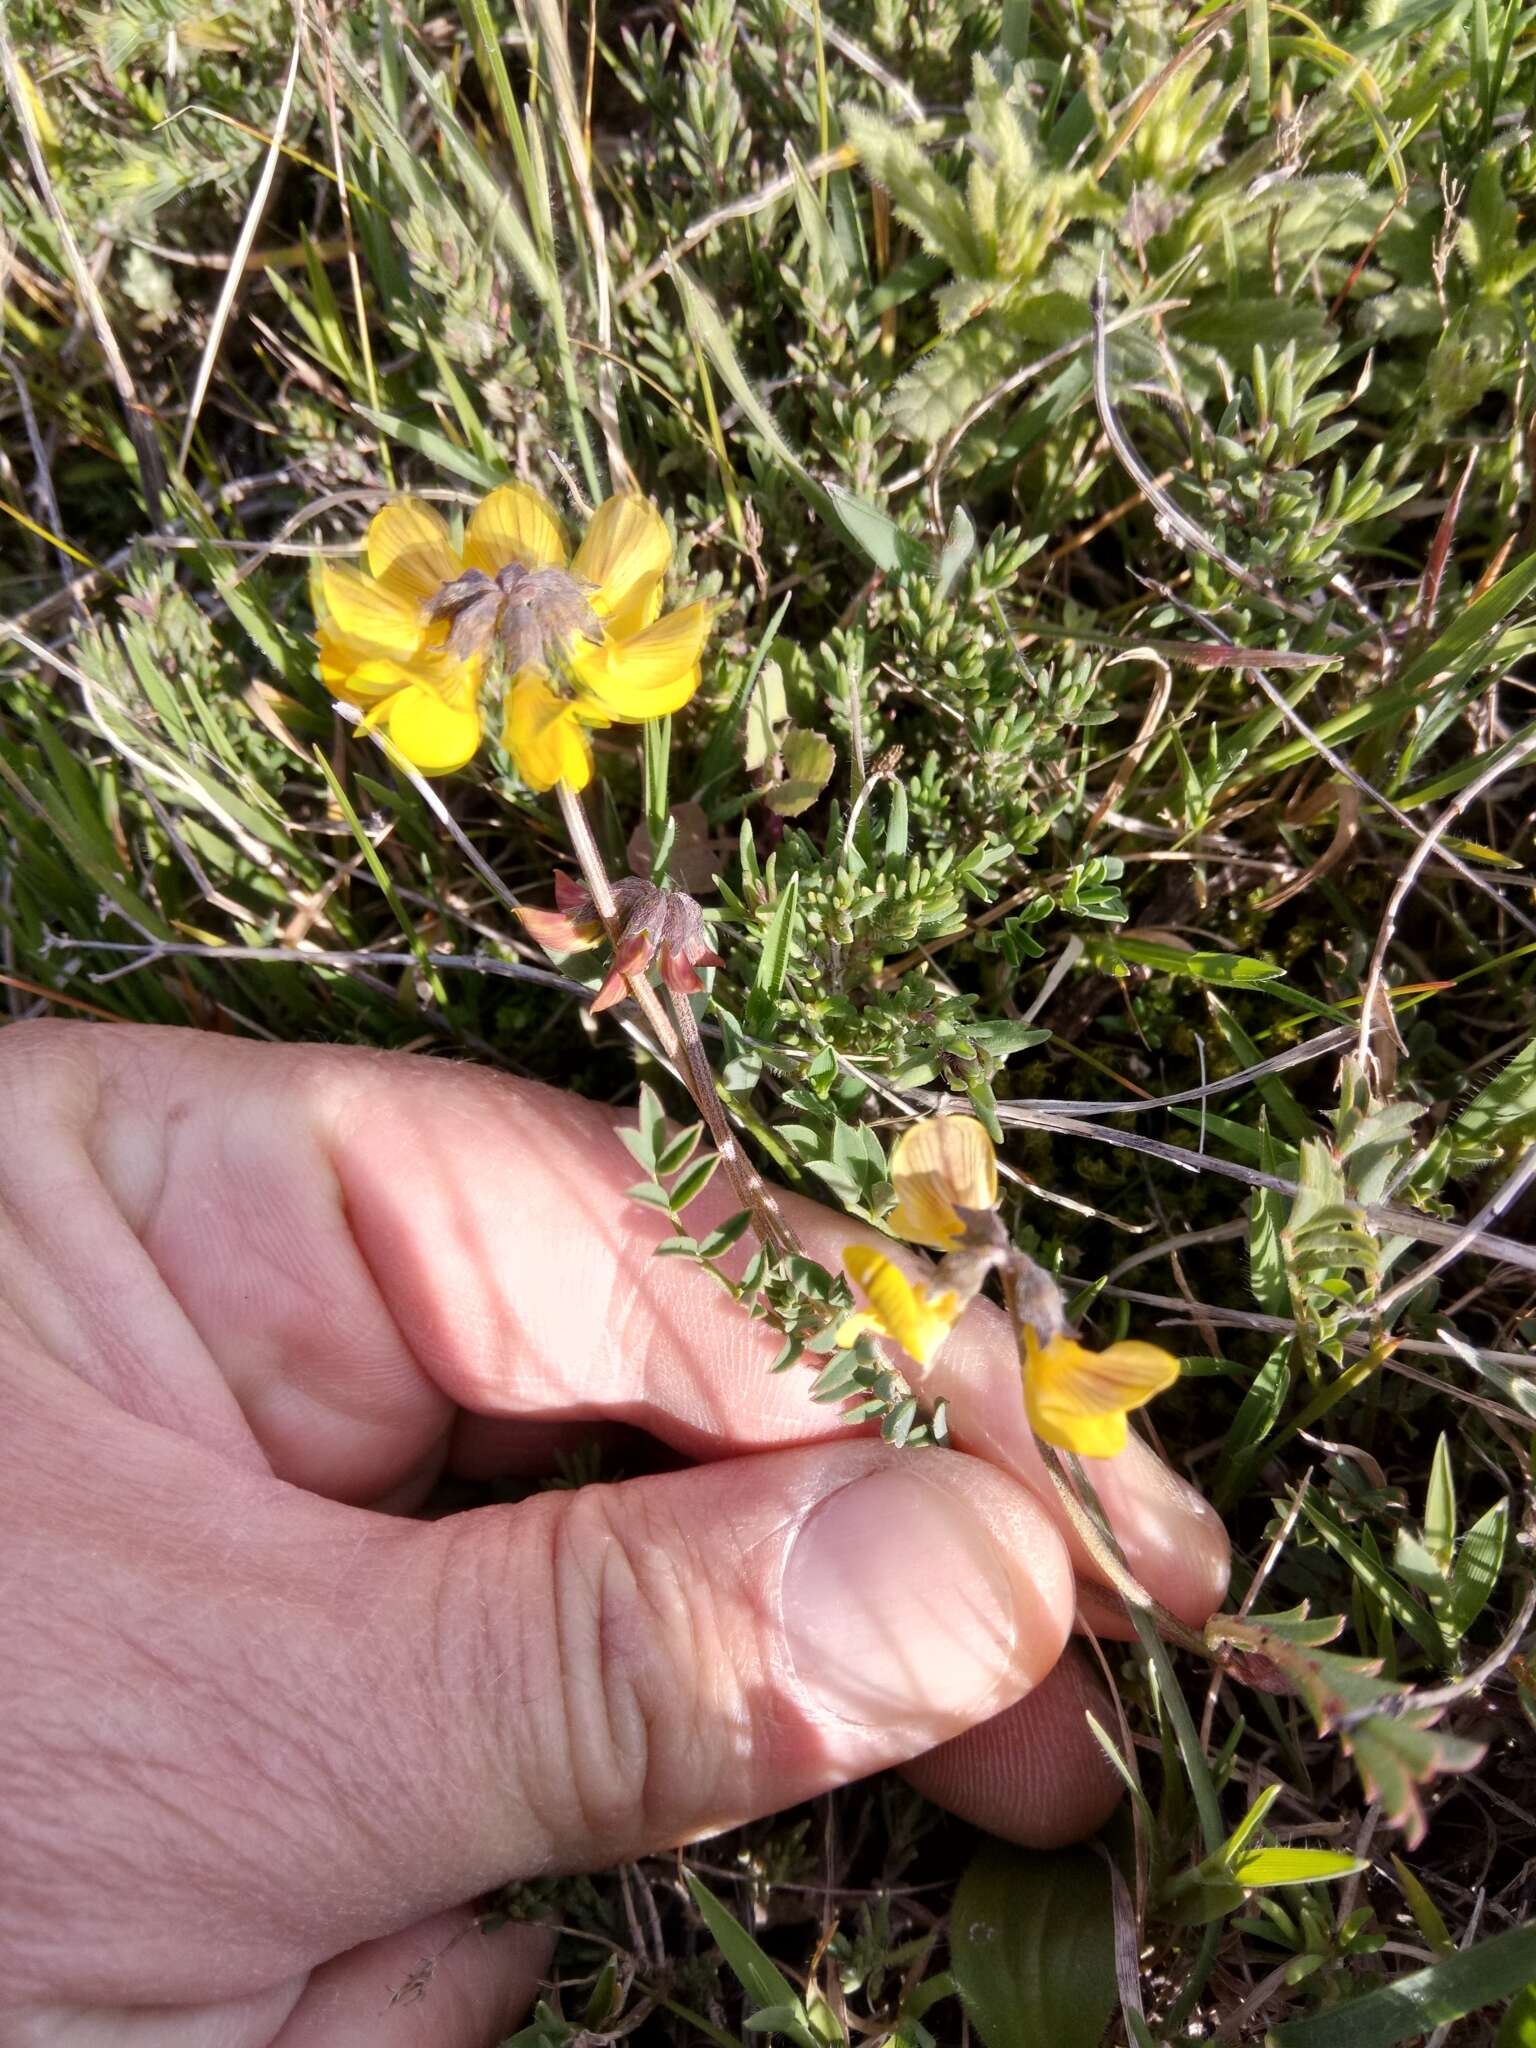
x=595, y=875
x=681, y=1045
x=1096, y=1539
x=1034, y=1304
x=753, y=1193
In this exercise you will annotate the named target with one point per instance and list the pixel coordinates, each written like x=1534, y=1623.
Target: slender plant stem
x=595, y=875
x=1207, y=1803
x=1203, y=1788
x=682, y=1045
x=1033, y=1302
x=1155, y=1628
x=1102, y=1548
x=752, y=1191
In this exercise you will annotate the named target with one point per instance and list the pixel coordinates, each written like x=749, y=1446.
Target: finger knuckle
x=611, y=1646
x=47, y=1067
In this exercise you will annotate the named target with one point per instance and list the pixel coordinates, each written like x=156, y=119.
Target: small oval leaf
x=1293, y=1866
x=1032, y=1943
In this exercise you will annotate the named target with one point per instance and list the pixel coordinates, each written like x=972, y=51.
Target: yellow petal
x=641, y=608
x=385, y=621
x=409, y=551
x=544, y=736
x=938, y=1165
x=436, y=733
x=1077, y=1399
x=904, y=1309
x=860, y=1324
x=1087, y=1436
x=626, y=544
x=361, y=675
x=622, y=702
x=514, y=524
x=353, y=674
x=646, y=677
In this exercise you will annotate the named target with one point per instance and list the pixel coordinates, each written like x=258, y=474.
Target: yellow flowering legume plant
x=428, y=631
x=944, y=1172
x=421, y=638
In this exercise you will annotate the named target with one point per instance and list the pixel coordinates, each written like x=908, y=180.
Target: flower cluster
x=417, y=638
x=944, y=1171
x=652, y=924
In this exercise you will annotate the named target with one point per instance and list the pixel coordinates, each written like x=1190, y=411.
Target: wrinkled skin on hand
x=263, y=1731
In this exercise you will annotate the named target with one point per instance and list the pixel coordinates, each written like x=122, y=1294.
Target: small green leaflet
x=1228, y=970
x=774, y=964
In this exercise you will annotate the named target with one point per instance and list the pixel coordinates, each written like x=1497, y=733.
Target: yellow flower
x=918, y=1319
x=938, y=1165
x=1077, y=1399
x=378, y=650
x=580, y=641
x=640, y=665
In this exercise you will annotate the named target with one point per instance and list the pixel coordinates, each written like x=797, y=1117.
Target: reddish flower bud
x=574, y=900
x=573, y=925
x=662, y=925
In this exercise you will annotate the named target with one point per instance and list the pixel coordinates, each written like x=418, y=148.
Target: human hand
x=261, y=1732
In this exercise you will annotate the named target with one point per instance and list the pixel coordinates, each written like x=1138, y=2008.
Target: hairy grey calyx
x=529, y=615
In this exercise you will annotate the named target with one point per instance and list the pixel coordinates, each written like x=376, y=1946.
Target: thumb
x=339, y=1723
x=694, y=1649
